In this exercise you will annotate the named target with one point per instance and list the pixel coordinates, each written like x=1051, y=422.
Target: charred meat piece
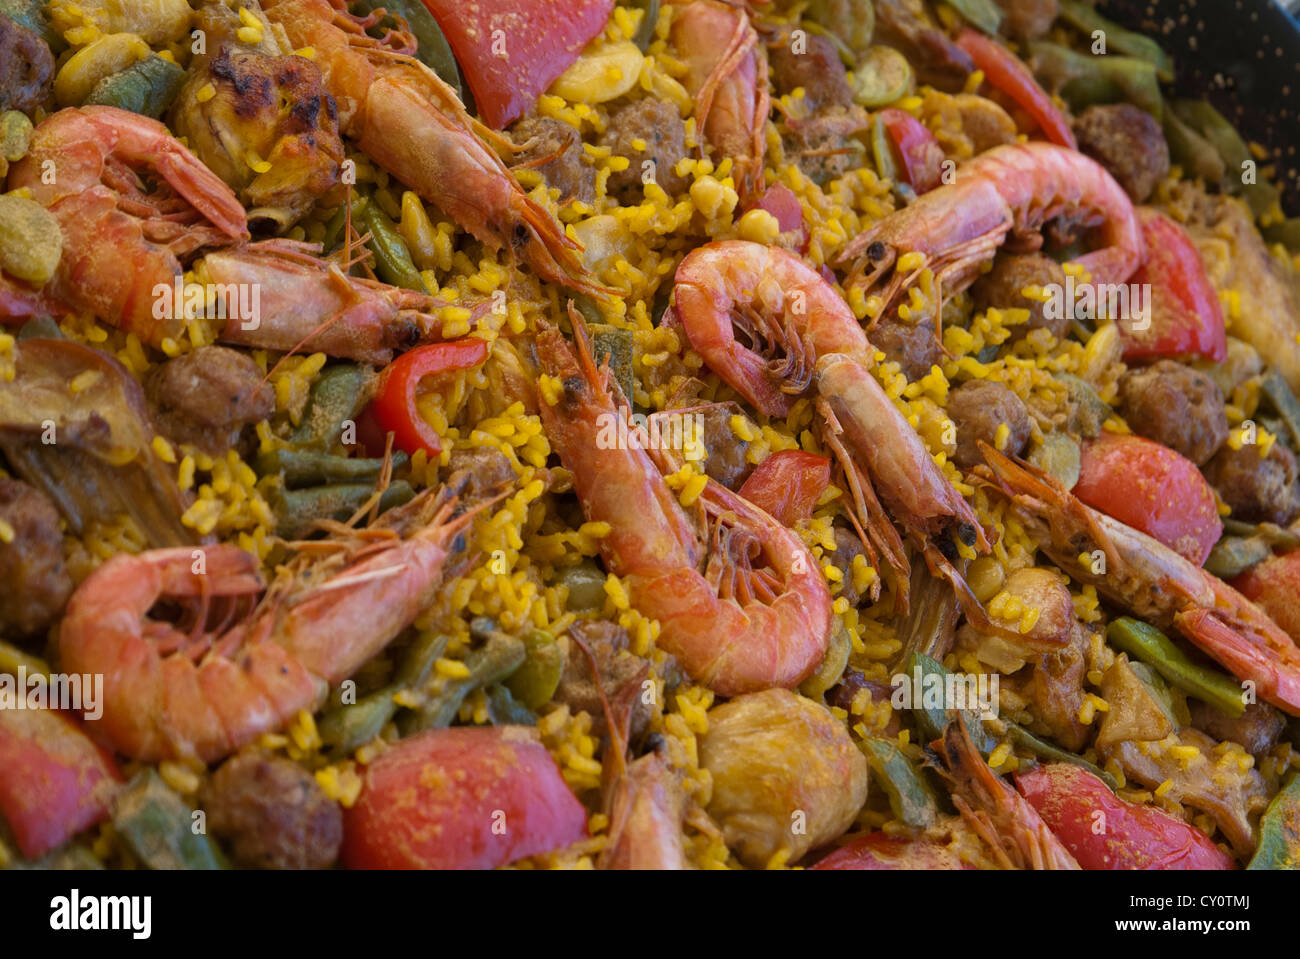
x=810, y=61
x=1003, y=287
x=1128, y=142
x=617, y=665
x=1256, y=730
x=913, y=347
x=658, y=127
x=478, y=473
x=26, y=67
x=208, y=396
x=979, y=408
x=1258, y=489
x=725, y=461
x=1176, y=406
x=554, y=149
x=34, y=585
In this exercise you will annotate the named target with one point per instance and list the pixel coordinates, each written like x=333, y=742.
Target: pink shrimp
x=757, y=616
x=802, y=334
x=728, y=78
x=1010, y=190
x=171, y=693
x=1145, y=576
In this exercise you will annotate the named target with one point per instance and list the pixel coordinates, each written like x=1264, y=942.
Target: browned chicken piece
x=725, y=460
x=912, y=346
x=1258, y=489
x=554, y=149
x=1003, y=287
x=979, y=408
x=1136, y=713
x=1216, y=785
x=1257, y=730
x=786, y=775
x=617, y=666
x=272, y=109
x=271, y=813
x=1029, y=19
x=1129, y=143
x=658, y=126
x=1056, y=694
x=645, y=818
x=26, y=67
x=1176, y=406
x=34, y=584
x=208, y=396
x=810, y=61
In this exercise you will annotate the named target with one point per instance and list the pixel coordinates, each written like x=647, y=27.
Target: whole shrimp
x=728, y=78
x=413, y=125
x=757, y=614
x=171, y=692
x=1145, y=576
x=800, y=333
x=1011, y=190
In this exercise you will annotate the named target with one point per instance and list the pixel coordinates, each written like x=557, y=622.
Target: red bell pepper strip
x=1153, y=489
x=1105, y=832
x=394, y=410
x=1185, y=317
x=878, y=851
x=920, y=153
x=788, y=484
x=467, y=797
x=1005, y=71
x=510, y=51
x=780, y=201
x=54, y=782
x=1274, y=586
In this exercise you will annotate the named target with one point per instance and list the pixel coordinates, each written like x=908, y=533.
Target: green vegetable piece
x=1043, y=750
x=832, y=664
x=31, y=14
x=882, y=151
x=1191, y=151
x=1148, y=644
x=1059, y=456
x=645, y=31
x=618, y=346
x=1279, y=395
x=1287, y=232
x=910, y=796
x=393, y=260
x=1090, y=411
x=339, y=394
x=420, y=657
x=1279, y=830
x=850, y=23
x=305, y=468
x=159, y=828
x=883, y=76
x=1270, y=533
x=1233, y=555
x=433, y=50
x=15, y=135
x=1085, y=80
x=69, y=857
x=147, y=87
x=926, y=674
x=984, y=14
x=1261, y=195
x=1086, y=19
x=586, y=585
x=534, y=683
x=352, y=725
x=31, y=242
x=297, y=511
x=493, y=663
x=504, y=710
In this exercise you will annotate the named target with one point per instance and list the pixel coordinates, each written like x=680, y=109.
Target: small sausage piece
x=272, y=814
x=1129, y=143
x=1029, y=19
x=1259, y=489
x=26, y=67
x=554, y=149
x=659, y=126
x=978, y=408
x=208, y=396
x=913, y=347
x=1176, y=406
x=34, y=585
x=1003, y=287
x=1256, y=730
x=812, y=64
x=775, y=754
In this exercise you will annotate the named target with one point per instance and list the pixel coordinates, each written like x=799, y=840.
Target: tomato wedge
x=1152, y=489
x=1005, y=71
x=1186, y=318
x=510, y=51
x=468, y=797
x=919, y=151
x=878, y=851
x=1105, y=832
x=54, y=782
x=780, y=201
x=788, y=484
x=394, y=409
x=1274, y=585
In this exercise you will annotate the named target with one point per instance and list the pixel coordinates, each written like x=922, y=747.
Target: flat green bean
x=1148, y=644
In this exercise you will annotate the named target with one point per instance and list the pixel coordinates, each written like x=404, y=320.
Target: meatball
x=1256, y=730
x=555, y=150
x=34, y=585
x=1029, y=19
x=1129, y=143
x=1176, y=406
x=272, y=814
x=1003, y=287
x=617, y=666
x=815, y=67
x=725, y=460
x=785, y=774
x=208, y=396
x=913, y=347
x=658, y=126
x=26, y=67
x=1258, y=489
x=978, y=408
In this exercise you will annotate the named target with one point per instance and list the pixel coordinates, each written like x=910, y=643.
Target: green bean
x=910, y=796
x=984, y=14
x=393, y=260
x=498, y=659
x=832, y=665
x=432, y=49
x=1085, y=80
x=1261, y=195
x=158, y=827
x=1279, y=395
x=1086, y=19
x=883, y=76
x=147, y=87
x=1272, y=534
x=42, y=328
x=306, y=468
x=338, y=395
x=297, y=511
x=882, y=151
x=1043, y=750
x=1191, y=151
x=618, y=346
x=504, y=710
x=420, y=657
x=1279, y=830
x=11, y=658
x=645, y=31
x=932, y=720
x=334, y=229
x=1157, y=650
x=1233, y=555
x=534, y=683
